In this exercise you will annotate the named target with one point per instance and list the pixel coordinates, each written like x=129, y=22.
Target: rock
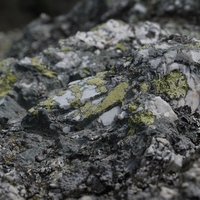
x=46, y=31
x=112, y=112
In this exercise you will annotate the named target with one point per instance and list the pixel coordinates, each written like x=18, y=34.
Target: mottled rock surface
x=111, y=112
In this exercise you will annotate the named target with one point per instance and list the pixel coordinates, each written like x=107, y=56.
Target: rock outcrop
x=110, y=112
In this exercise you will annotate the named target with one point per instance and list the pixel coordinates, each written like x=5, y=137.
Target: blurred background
x=17, y=13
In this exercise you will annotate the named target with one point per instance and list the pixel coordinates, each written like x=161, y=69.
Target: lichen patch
x=174, y=85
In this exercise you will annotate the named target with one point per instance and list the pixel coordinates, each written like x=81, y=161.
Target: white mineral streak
x=160, y=108
x=170, y=56
x=88, y=92
x=108, y=117
x=75, y=115
x=63, y=99
x=97, y=101
x=139, y=8
x=192, y=98
x=155, y=63
x=25, y=61
x=168, y=193
x=66, y=129
x=164, y=46
x=109, y=33
x=75, y=82
x=147, y=33
x=69, y=60
x=193, y=57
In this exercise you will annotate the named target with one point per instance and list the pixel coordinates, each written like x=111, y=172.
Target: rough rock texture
x=46, y=31
x=108, y=113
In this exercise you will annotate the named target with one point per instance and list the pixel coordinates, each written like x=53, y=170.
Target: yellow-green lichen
x=120, y=46
x=128, y=58
x=96, y=28
x=47, y=103
x=33, y=111
x=144, y=87
x=8, y=158
x=112, y=68
x=132, y=107
x=60, y=93
x=76, y=91
x=98, y=82
x=47, y=52
x=197, y=44
x=143, y=47
x=85, y=72
x=115, y=96
x=101, y=74
x=66, y=49
x=131, y=131
x=194, y=44
x=41, y=67
x=4, y=64
x=142, y=117
x=7, y=81
x=174, y=85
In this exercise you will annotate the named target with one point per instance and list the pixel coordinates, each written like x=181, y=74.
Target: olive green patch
x=7, y=82
x=66, y=49
x=144, y=87
x=47, y=103
x=96, y=28
x=112, y=68
x=41, y=67
x=194, y=44
x=60, y=93
x=115, y=96
x=33, y=111
x=98, y=82
x=132, y=107
x=7, y=78
x=101, y=74
x=131, y=131
x=143, y=47
x=143, y=117
x=120, y=46
x=174, y=85
x=76, y=90
x=85, y=72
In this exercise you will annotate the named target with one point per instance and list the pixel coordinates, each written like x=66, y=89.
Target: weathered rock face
x=109, y=113
x=46, y=31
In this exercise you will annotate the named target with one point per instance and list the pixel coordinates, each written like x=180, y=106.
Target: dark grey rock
x=110, y=113
x=46, y=31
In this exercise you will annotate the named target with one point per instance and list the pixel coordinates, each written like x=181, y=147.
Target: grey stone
x=107, y=113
